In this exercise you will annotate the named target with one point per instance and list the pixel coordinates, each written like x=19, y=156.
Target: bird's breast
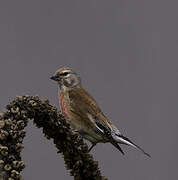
x=63, y=103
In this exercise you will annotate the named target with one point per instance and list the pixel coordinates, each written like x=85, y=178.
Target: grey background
x=126, y=53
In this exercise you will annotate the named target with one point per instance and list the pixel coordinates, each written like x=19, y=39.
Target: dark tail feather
x=104, y=131
x=117, y=146
x=127, y=141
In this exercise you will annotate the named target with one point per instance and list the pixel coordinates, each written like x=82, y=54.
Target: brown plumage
x=83, y=113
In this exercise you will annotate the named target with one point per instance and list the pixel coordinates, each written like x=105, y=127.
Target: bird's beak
x=55, y=77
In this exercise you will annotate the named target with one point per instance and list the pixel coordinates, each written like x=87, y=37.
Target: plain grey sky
x=127, y=55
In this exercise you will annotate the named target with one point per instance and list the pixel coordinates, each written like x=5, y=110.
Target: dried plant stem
x=12, y=123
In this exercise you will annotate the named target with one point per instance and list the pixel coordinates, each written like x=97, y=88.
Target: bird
x=83, y=113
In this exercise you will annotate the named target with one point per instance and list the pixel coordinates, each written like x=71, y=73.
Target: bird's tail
x=124, y=140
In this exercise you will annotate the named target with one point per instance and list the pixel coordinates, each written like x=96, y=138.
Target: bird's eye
x=64, y=74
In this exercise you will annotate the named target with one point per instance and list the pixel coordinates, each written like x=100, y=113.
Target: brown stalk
x=12, y=123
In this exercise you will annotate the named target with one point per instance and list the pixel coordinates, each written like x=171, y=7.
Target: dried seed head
x=3, y=134
x=20, y=140
x=20, y=178
x=15, y=174
x=33, y=103
x=42, y=113
x=1, y=115
x=12, y=158
x=20, y=98
x=23, y=112
x=47, y=137
x=7, y=167
x=1, y=165
x=22, y=133
x=3, y=175
x=1, y=162
x=2, y=124
x=21, y=124
x=8, y=122
x=4, y=150
x=11, y=178
x=18, y=147
x=46, y=100
x=18, y=164
x=14, y=127
x=21, y=164
x=13, y=134
x=15, y=110
x=15, y=164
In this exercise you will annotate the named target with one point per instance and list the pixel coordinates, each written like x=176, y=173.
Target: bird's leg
x=93, y=144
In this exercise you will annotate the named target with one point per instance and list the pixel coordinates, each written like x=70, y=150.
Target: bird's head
x=66, y=78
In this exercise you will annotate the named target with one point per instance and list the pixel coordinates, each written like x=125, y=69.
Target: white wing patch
x=93, y=120
x=99, y=128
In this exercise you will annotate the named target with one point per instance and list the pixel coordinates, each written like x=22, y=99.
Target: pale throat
x=63, y=88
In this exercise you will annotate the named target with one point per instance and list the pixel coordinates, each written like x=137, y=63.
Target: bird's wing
x=85, y=107
x=82, y=102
